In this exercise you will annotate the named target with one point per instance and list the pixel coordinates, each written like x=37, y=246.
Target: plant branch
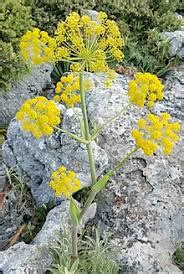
x=103, y=126
x=120, y=164
x=93, y=193
x=73, y=136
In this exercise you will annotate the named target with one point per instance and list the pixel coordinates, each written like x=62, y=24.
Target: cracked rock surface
x=141, y=207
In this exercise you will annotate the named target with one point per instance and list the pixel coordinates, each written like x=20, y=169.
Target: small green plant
x=95, y=256
x=15, y=20
x=178, y=257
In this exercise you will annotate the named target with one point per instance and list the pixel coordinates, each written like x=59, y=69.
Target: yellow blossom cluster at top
x=64, y=182
x=156, y=131
x=85, y=43
x=146, y=89
x=38, y=116
x=67, y=89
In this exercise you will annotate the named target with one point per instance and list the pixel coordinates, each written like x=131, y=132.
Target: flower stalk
x=86, y=130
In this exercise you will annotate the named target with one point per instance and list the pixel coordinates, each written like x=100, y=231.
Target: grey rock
x=47, y=154
x=92, y=13
x=34, y=257
x=176, y=39
x=31, y=86
x=174, y=94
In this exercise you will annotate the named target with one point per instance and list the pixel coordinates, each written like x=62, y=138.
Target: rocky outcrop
x=141, y=206
x=31, y=86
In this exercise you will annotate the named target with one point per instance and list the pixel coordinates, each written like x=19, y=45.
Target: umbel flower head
x=85, y=43
x=146, y=89
x=67, y=89
x=39, y=116
x=64, y=182
x=156, y=131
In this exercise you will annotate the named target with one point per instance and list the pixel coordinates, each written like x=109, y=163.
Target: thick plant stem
x=74, y=242
x=86, y=131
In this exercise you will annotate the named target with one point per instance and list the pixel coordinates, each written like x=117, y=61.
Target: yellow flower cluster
x=38, y=116
x=87, y=44
x=146, y=89
x=67, y=89
x=156, y=131
x=64, y=182
x=36, y=46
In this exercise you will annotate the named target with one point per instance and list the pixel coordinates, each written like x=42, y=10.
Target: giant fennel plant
x=89, y=46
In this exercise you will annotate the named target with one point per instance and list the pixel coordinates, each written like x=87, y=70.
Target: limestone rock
x=176, y=39
x=31, y=86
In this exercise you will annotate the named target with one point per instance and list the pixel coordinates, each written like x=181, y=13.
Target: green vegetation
x=36, y=222
x=178, y=257
x=141, y=22
x=95, y=256
x=15, y=20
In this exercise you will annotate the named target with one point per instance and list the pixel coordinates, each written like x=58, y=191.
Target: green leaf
x=74, y=212
x=74, y=266
x=102, y=182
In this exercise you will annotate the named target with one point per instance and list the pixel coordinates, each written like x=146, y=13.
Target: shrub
x=15, y=19
x=47, y=13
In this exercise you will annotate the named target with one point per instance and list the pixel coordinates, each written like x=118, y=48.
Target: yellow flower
x=84, y=43
x=154, y=132
x=39, y=116
x=146, y=89
x=36, y=46
x=67, y=89
x=64, y=182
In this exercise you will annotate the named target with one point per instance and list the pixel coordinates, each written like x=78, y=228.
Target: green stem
x=74, y=242
x=103, y=126
x=93, y=193
x=86, y=131
x=73, y=136
x=121, y=163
